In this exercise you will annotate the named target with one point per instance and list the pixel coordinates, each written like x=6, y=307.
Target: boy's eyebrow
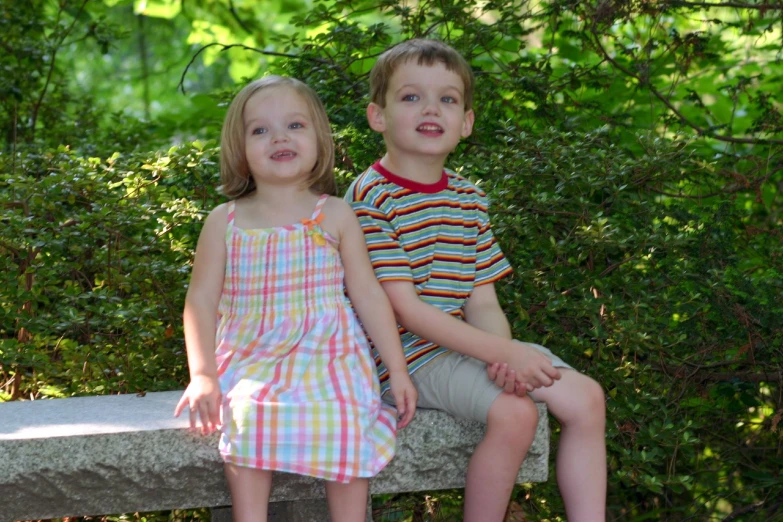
x=418, y=86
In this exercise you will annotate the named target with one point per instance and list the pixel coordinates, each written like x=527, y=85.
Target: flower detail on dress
x=313, y=232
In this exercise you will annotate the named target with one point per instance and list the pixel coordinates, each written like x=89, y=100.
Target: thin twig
x=225, y=47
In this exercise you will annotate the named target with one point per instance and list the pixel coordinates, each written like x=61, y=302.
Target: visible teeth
x=429, y=128
x=282, y=154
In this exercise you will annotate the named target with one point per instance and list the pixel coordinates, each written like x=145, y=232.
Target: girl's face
x=280, y=140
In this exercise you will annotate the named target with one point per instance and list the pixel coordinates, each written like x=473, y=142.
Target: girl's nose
x=280, y=135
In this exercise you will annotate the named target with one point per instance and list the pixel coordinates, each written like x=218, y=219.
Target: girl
x=277, y=357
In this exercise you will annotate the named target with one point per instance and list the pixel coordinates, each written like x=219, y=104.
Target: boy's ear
x=467, y=123
x=375, y=117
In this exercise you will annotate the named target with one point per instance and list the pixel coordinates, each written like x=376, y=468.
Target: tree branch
x=52, y=62
x=744, y=511
x=699, y=375
x=737, y=5
x=608, y=270
x=699, y=129
x=728, y=190
x=234, y=14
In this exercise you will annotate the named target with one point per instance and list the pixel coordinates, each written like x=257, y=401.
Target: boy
x=432, y=248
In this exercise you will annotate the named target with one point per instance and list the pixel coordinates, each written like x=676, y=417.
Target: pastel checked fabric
x=300, y=387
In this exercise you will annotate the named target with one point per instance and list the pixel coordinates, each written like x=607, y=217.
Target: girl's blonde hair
x=234, y=169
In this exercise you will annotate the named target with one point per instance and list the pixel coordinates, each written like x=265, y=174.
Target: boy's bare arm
x=483, y=311
x=431, y=323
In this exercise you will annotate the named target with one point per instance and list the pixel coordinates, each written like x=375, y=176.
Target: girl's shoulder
x=220, y=212
x=337, y=208
x=336, y=204
x=217, y=220
x=338, y=217
x=213, y=231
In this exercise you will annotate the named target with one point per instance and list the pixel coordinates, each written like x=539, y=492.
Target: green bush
x=643, y=221
x=100, y=252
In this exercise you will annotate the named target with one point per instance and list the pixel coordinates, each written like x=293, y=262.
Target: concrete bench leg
x=311, y=510
x=221, y=514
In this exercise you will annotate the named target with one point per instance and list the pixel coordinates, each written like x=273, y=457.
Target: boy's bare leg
x=249, y=492
x=511, y=427
x=348, y=502
x=577, y=402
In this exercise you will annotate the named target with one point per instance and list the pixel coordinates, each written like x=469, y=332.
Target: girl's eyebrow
x=293, y=115
x=297, y=115
x=253, y=121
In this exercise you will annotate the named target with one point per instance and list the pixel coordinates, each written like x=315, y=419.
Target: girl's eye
x=259, y=130
x=296, y=125
x=410, y=97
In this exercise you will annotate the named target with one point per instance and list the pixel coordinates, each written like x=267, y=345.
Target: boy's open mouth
x=429, y=128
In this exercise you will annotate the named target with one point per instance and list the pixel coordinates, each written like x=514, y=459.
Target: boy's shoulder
x=463, y=185
x=367, y=186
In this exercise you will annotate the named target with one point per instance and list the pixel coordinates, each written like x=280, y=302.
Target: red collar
x=426, y=188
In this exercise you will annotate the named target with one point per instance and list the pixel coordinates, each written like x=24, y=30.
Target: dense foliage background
x=632, y=151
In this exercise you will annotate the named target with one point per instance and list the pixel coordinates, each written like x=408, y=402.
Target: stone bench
x=127, y=453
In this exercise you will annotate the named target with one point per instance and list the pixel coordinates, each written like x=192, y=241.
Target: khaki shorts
x=458, y=384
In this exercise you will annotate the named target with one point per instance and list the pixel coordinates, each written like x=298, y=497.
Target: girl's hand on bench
x=202, y=397
x=405, y=396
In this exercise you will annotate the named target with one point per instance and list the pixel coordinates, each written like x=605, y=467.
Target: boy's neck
x=421, y=170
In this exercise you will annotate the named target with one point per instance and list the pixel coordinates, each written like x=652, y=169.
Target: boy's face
x=425, y=111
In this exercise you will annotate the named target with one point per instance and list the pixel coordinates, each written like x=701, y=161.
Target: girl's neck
x=275, y=206
x=281, y=196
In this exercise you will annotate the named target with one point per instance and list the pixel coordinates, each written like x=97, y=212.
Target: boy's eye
x=259, y=130
x=296, y=125
x=448, y=99
x=410, y=97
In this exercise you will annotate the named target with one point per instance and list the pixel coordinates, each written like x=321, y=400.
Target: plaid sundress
x=300, y=388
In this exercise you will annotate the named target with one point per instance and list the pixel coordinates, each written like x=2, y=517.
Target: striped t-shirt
x=436, y=236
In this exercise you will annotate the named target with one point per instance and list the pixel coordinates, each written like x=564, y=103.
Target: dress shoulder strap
x=319, y=206
x=231, y=212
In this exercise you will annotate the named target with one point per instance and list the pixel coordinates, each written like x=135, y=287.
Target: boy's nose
x=430, y=107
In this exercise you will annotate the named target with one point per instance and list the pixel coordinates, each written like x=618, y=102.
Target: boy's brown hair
x=234, y=169
x=426, y=52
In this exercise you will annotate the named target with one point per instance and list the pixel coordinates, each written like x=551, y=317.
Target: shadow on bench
x=126, y=453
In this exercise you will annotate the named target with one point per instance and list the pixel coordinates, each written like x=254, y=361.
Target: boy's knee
x=594, y=397
x=513, y=413
x=589, y=404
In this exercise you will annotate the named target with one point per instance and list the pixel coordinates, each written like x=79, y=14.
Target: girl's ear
x=375, y=117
